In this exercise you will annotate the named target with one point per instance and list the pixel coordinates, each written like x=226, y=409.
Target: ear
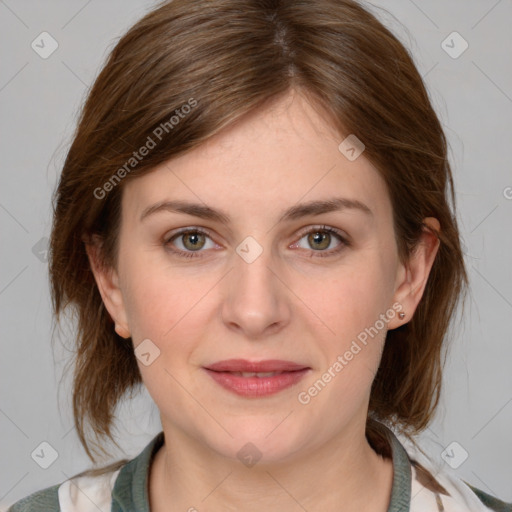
x=413, y=275
x=107, y=281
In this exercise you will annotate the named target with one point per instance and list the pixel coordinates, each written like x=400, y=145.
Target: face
x=261, y=268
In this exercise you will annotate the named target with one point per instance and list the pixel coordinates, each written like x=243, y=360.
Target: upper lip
x=242, y=365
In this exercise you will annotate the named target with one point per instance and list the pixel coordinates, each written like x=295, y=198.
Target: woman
x=254, y=221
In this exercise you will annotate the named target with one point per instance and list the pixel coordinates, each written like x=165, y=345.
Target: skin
x=288, y=304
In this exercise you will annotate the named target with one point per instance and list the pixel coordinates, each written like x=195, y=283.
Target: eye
x=321, y=238
x=189, y=241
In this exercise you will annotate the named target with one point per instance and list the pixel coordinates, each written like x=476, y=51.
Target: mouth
x=256, y=379
x=255, y=374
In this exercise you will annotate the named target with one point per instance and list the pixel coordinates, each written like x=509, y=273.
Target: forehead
x=267, y=160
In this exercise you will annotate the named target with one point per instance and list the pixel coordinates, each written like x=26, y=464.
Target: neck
x=344, y=474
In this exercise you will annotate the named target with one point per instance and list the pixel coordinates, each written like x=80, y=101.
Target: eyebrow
x=310, y=208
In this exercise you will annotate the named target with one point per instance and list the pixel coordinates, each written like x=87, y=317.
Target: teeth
x=256, y=374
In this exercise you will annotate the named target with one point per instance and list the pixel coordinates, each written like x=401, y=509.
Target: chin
x=265, y=440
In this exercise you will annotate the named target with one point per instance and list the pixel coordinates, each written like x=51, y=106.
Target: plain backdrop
x=39, y=102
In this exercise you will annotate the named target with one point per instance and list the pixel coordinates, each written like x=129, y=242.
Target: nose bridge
x=255, y=298
x=252, y=267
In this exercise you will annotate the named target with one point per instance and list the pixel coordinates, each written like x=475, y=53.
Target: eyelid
x=189, y=229
x=168, y=238
x=343, y=238
x=324, y=227
x=179, y=231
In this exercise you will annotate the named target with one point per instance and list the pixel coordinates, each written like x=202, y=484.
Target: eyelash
x=319, y=254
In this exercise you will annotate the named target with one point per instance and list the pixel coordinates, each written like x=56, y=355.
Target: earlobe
x=121, y=331
x=107, y=281
x=417, y=270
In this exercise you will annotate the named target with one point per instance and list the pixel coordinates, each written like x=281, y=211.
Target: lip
x=225, y=374
x=242, y=365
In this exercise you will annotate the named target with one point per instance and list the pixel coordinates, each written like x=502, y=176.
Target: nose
x=255, y=299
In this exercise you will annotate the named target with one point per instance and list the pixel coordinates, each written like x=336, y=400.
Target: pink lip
x=242, y=365
x=222, y=373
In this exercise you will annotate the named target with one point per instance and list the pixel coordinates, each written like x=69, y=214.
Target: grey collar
x=130, y=493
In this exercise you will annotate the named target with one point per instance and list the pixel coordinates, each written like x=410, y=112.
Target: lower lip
x=257, y=386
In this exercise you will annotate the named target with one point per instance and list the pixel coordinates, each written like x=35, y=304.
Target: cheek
x=354, y=298
x=168, y=307
x=351, y=356
x=353, y=305
x=166, y=310
x=153, y=291
x=150, y=307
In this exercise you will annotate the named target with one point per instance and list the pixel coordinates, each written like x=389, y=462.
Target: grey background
x=39, y=100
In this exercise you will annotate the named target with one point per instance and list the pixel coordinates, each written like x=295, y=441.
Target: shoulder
x=73, y=495
x=120, y=486
x=433, y=487
x=490, y=501
x=448, y=493
x=45, y=500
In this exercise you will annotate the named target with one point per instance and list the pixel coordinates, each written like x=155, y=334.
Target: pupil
x=319, y=238
x=193, y=240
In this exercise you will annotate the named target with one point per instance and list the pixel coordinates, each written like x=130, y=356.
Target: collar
x=131, y=487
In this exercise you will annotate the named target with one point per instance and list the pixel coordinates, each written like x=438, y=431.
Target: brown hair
x=231, y=57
